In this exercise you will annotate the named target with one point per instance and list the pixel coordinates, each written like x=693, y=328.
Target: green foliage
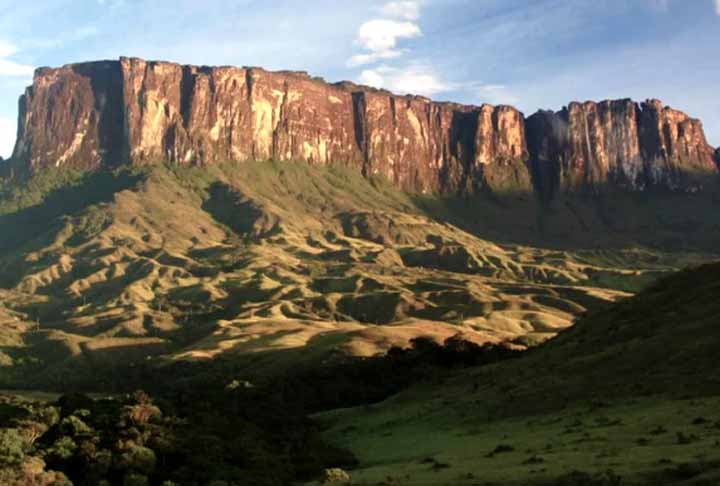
x=12, y=447
x=29, y=206
x=62, y=449
x=137, y=458
x=134, y=479
x=20, y=193
x=74, y=427
x=222, y=438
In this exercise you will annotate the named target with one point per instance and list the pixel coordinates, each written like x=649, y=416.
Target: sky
x=533, y=54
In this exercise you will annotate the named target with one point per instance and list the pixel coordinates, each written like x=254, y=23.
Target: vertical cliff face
x=143, y=112
x=71, y=116
x=187, y=114
x=592, y=146
x=139, y=112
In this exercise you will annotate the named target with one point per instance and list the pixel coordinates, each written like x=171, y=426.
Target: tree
x=12, y=447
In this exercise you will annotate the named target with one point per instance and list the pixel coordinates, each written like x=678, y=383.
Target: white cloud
x=7, y=136
x=7, y=49
x=418, y=79
x=422, y=79
x=717, y=7
x=11, y=68
x=380, y=38
x=382, y=35
x=373, y=57
x=409, y=10
x=372, y=77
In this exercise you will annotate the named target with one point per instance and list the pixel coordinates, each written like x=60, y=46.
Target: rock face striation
x=618, y=144
x=133, y=111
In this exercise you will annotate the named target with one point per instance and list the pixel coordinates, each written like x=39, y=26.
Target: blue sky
x=529, y=53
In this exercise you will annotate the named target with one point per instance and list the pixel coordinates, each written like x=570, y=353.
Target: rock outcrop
x=133, y=111
x=618, y=144
x=146, y=112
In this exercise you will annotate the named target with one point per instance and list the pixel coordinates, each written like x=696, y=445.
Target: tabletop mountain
x=114, y=112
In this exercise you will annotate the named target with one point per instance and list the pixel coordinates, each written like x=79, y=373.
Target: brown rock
x=134, y=111
x=591, y=146
x=104, y=113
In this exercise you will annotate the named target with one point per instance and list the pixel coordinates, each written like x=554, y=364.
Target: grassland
x=633, y=389
x=167, y=276
x=113, y=269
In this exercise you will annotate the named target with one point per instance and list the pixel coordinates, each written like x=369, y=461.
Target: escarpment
x=619, y=144
x=134, y=111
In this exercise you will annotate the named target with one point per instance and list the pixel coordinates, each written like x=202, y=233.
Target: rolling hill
x=629, y=395
x=263, y=262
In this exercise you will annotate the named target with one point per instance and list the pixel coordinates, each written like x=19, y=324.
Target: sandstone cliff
x=620, y=144
x=134, y=111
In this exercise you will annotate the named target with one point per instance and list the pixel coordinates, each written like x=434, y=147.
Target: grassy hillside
x=267, y=264
x=289, y=284
x=632, y=389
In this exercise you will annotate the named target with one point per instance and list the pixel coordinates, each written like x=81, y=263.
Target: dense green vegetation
x=239, y=432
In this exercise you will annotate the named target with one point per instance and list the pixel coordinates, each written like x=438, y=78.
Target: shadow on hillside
x=30, y=229
x=242, y=215
x=309, y=379
x=24, y=226
x=611, y=219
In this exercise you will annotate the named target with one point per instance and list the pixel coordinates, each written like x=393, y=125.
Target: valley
x=274, y=262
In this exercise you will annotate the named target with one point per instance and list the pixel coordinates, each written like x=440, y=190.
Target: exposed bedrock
x=133, y=111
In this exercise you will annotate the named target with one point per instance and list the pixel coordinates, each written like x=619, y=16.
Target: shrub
x=133, y=479
x=142, y=414
x=138, y=458
x=335, y=476
x=63, y=449
x=12, y=447
x=74, y=426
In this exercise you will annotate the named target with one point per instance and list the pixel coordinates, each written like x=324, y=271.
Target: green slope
x=159, y=265
x=634, y=389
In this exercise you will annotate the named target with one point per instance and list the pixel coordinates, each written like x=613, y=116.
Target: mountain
x=157, y=214
x=113, y=112
x=257, y=246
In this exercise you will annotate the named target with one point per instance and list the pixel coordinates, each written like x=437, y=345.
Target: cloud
x=422, y=79
x=373, y=57
x=717, y=7
x=7, y=136
x=11, y=68
x=372, y=77
x=381, y=35
x=7, y=49
x=418, y=79
x=409, y=10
